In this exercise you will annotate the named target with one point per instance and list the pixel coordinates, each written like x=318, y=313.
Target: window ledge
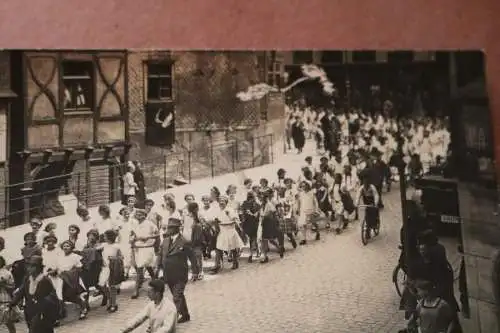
x=70, y=112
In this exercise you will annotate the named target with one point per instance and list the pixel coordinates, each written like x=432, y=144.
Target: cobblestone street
x=334, y=285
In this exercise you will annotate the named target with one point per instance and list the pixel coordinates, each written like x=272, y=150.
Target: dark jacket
x=173, y=259
x=41, y=309
x=198, y=238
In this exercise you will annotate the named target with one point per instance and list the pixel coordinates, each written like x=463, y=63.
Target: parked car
x=440, y=201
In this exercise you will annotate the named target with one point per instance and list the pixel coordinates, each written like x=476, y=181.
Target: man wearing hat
x=41, y=306
x=173, y=259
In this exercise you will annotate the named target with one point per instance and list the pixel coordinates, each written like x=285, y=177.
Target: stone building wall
x=205, y=85
x=481, y=236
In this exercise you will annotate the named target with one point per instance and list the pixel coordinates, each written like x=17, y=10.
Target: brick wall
x=204, y=89
x=205, y=86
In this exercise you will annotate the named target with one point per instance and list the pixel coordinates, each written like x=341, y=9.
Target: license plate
x=450, y=219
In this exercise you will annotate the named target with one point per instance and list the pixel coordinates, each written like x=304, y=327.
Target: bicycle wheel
x=399, y=279
x=363, y=232
x=376, y=230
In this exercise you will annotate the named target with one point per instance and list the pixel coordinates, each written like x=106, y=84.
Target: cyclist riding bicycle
x=371, y=198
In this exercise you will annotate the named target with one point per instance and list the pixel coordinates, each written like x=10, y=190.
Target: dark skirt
x=90, y=275
x=270, y=227
x=325, y=206
x=250, y=226
x=298, y=137
x=348, y=203
x=116, y=271
x=72, y=288
x=211, y=232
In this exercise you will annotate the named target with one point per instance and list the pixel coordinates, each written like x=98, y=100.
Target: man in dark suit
x=173, y=260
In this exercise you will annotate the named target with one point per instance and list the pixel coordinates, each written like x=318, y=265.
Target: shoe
x=113, y=309
x=250, y=259
x=183, y=319
x=83, y=313
x=344, y=226
x=214, y=270
x=303, y=242
x=265, y=260
x=318, y=236
x=294, y=243
x=282, y=253
x=236, y=265
x=338, y=231
x=135, y=295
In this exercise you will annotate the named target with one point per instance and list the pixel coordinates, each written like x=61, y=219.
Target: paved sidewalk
x=291, y=162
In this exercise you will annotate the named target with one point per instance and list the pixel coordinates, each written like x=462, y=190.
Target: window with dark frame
x=78, y=85
x=364, y=56
x=332, y=57
x=303, y=57
x=274, y=74
x=401, y=56
x=159, y=81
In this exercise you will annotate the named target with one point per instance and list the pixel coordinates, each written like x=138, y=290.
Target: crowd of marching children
x=98, y=253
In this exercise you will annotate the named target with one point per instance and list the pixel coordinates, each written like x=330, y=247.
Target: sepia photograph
x=304, y=191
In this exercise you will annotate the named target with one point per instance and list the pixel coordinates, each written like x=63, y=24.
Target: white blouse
x=70, y=261
x=160, y=318
x=51, y=258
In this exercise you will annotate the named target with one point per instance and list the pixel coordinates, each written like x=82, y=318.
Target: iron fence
x=100, y=182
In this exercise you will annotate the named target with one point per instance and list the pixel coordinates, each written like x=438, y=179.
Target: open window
x=78, y=86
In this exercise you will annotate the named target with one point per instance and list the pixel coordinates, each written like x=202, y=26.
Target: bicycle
x=364, y=226
x=399, y=275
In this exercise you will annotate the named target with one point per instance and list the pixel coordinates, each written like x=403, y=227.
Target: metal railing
x=93, y=184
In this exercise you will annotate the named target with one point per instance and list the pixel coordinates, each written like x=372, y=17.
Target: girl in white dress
x=124, y=239
x=307, y=207
x=207, y=214
x=69, y=270
x=144, y=236
x=337, y=204
x=228, y=239
x=112, y=273
x=51, y=254
x=106, y=223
